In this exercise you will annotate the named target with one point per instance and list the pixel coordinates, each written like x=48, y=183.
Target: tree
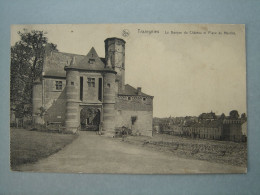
x=222, y=116
x=243, y=116
x=234, y=114
x=27, y=56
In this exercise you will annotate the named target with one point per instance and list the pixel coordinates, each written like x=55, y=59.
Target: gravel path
x=91, y=153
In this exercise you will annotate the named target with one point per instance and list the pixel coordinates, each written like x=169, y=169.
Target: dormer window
x=91, y=61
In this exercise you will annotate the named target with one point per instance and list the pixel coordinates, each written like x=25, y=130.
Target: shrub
x=27, y=124
x=38, y=127
x=122, y=130
x=13, y=124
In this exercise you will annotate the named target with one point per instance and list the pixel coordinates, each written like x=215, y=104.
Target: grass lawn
x=30, y=146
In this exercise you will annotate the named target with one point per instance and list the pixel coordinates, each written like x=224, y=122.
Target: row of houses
x=207, y=126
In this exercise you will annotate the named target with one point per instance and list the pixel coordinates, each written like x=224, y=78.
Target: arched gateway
x=90, y=118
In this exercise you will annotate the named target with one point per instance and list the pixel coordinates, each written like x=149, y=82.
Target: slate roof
x=103, y=60
x=129, y=90
x=54, y=63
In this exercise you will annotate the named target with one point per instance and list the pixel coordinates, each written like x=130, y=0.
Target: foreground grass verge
x=30, y=146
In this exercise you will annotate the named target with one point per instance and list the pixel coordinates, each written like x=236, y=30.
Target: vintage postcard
x=128, y=98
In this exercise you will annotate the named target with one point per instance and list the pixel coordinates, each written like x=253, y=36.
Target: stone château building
x=89, y=93
x=208, y=126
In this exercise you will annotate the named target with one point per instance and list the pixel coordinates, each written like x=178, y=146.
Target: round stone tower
x=109, y=103
x=115, y=58
x=72, y=105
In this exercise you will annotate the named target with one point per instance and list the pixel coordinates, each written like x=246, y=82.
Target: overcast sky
x=186, y=73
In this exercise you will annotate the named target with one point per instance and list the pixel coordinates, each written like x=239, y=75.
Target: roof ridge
x=67, y=53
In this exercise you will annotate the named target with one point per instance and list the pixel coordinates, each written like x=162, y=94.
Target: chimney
x=139, y=89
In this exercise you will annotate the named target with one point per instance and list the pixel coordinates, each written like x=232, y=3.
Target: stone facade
x=89, y=93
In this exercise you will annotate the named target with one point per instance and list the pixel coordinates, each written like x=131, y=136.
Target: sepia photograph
x=128, y=98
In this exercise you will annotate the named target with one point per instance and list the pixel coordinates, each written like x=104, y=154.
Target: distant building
x=208, y=116
x=211, y=126
x=244, y=130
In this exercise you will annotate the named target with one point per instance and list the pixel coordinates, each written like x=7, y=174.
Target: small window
x=108, y=85
x=133, y=119
x=129, y=98
x=72, y=83
x=91, y=82
x=58, y=85
x=91, y=61
x=81, y=88
x=144, y=99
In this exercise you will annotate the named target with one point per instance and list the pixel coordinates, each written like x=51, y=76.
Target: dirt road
x=91, y=153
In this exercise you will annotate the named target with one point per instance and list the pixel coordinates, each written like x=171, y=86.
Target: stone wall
x=134, y=103
x=135, y=113
x=54, y=100
x=90, y=93
x=142, y=124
